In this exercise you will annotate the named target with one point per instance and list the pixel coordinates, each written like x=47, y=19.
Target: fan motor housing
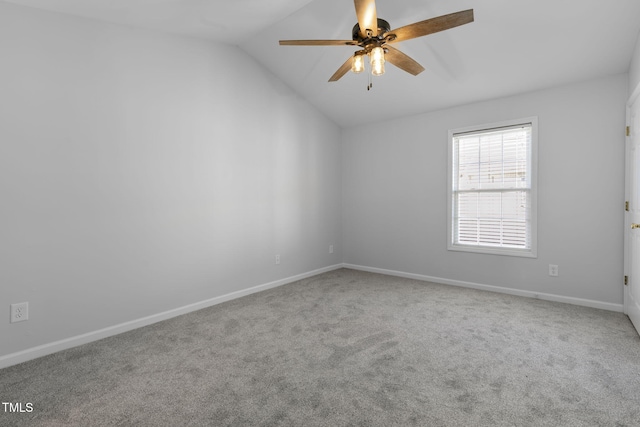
x=383, y=27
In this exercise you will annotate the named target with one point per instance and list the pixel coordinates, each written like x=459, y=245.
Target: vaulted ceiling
x=513, y=46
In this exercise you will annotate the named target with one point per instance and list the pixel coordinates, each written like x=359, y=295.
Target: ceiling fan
x=375, y=36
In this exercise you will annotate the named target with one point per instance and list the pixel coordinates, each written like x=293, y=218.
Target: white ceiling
x=513, y=46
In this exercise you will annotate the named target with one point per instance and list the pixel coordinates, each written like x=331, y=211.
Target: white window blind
x=491, y=189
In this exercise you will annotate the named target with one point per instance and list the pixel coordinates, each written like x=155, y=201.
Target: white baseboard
x=499, y=289
x=45, y=349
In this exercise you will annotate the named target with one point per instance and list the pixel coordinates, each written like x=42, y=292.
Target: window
x=492, y=188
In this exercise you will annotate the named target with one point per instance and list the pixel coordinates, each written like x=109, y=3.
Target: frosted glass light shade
x=357, y=65
x=377, y=61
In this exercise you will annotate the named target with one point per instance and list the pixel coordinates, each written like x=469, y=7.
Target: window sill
x=488, y=250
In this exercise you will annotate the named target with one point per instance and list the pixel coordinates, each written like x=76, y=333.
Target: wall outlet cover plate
x=19, y=312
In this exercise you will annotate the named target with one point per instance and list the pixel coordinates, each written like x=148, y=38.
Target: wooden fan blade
x=367, y=16
x=403, y=61
x=341, y=71
x=430, y=26
x=318, y=43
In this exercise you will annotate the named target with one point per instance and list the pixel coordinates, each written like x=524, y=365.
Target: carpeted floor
x=347, y=348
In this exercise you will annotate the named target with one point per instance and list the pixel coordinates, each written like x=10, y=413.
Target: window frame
x=451, y=244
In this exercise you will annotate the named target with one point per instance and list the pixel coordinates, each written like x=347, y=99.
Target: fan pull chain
x=368, y=73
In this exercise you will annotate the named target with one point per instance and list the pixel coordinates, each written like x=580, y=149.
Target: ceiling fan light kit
x=375, y=36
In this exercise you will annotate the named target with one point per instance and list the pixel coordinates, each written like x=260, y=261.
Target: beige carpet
x=347, y=348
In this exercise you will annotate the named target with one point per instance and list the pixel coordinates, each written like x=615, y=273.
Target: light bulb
x=377, y=61
x=357, y=65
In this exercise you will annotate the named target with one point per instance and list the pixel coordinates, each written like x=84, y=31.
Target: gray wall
x=634, y=68
x=395, y=193
x=141, y=172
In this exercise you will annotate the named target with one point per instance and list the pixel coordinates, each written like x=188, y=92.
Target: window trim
x=527, y=253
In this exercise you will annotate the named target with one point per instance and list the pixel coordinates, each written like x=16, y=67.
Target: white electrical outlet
x=330, y=249
x=19, y=312
x=277, y=258
x=553, y=270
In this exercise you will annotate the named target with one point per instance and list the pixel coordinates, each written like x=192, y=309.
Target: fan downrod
x=383, y=27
